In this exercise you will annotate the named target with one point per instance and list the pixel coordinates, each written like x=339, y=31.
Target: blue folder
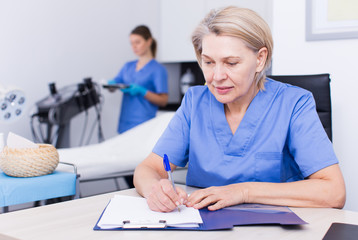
x=227, y=218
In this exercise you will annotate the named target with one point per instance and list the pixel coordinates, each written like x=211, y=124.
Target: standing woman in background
x=146, y=79
x=147, y=82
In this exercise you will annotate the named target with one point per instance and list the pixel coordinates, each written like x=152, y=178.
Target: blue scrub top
x=280, y=138
x=136, y=109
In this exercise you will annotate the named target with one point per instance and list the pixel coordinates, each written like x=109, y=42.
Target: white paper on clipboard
x=135, y=210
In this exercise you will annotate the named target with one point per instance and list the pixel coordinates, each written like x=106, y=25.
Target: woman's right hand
x=112, y=89
x=163, y=197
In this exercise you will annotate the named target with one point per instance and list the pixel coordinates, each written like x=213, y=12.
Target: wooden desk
x=75, y=220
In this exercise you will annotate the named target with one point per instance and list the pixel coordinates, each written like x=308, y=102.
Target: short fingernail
x=177, y=203
x=182, y=201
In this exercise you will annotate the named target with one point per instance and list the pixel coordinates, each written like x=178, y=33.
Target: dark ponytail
x=144, y=31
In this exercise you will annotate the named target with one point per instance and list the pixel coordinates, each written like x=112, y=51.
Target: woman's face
x=140, y=46
x=229, y=67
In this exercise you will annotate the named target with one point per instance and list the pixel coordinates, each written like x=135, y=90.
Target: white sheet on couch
x=116, y=155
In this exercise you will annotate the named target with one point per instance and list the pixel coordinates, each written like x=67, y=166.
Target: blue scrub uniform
x=280, y=138
x=136, y=109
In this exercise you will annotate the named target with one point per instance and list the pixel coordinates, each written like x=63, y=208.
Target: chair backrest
x=319, y=86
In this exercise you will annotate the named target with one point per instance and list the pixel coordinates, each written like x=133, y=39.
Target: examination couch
x=117, y=156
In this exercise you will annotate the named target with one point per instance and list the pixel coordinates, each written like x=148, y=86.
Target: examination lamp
x=12, y=104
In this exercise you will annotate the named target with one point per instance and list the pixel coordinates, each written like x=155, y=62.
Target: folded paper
x=16, y=141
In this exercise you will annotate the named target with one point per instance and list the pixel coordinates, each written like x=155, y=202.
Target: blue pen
x=169, y=171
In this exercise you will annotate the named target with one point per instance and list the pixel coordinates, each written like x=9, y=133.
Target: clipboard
x=143, y=225
x=115, y=86
x=226, y=218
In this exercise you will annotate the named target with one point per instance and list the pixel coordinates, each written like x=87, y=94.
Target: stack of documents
x=133, y=212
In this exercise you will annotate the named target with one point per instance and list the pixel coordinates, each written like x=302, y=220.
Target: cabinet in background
x=178, y=19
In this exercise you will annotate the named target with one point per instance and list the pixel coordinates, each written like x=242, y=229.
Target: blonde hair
x=242, y=23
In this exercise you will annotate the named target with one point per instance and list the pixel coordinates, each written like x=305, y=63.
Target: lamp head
x=12, y=104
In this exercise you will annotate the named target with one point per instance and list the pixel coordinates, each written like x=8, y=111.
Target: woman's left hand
x=135, y=89
x=217, y=197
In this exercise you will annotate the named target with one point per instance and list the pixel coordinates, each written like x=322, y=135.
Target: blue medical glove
x=135, y=89
x=111, y=82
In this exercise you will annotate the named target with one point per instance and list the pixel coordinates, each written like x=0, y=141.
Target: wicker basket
x=29, y=162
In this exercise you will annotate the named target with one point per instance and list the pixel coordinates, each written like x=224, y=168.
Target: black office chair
x=319, y=86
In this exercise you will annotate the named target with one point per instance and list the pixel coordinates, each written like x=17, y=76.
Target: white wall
x=65, y=41
x=294, y=55
x=185, y=15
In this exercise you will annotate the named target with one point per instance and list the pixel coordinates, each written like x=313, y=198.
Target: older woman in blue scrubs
x=147, y=81
x=245, y=138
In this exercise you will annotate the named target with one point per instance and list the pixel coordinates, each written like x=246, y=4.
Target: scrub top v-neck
x=136, y=109
x=279, y=139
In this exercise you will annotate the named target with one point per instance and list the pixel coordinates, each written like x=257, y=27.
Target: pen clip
x=166, y=163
